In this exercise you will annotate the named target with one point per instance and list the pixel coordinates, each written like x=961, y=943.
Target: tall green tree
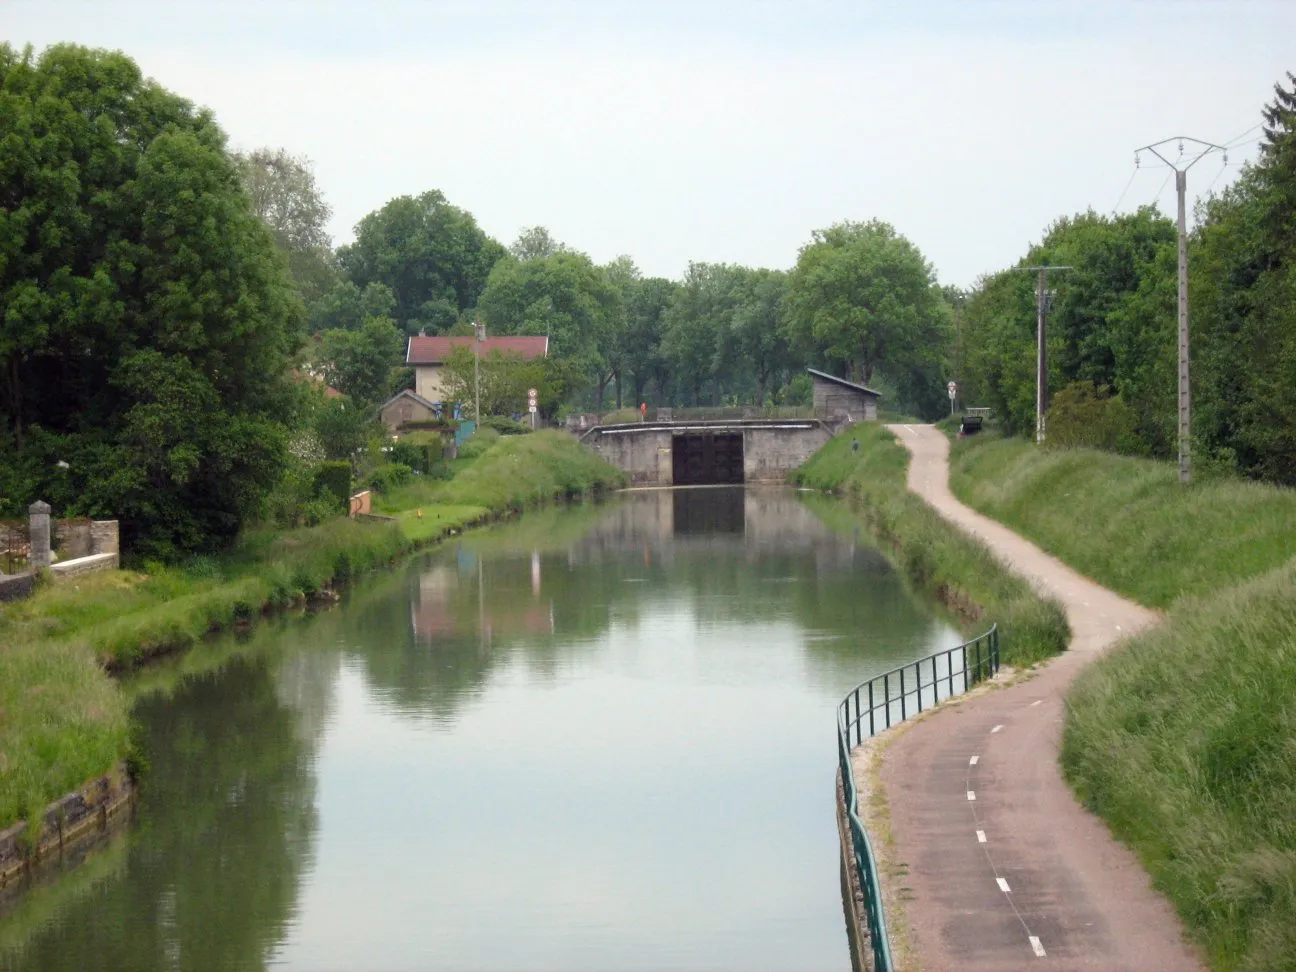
x=359, y=363
x=696, y=325
x=758, y=337
x=284, y=195
x=565, y=297
x=535, y=243
x=346, y=307
x=148, y=321
x=432, y=256
x=865, y=298
x=645, y=326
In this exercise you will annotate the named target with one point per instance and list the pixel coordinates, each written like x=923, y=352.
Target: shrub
x=1084, y=415
x=390, y=476
x=418, y=455
x=505, y=426
x=333, y=482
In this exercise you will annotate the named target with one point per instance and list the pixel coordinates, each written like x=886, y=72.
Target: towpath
x=1006, y=870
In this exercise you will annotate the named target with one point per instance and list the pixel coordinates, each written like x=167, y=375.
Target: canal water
x=596, y=738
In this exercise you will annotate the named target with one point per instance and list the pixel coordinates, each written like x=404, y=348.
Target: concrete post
x=38, y=535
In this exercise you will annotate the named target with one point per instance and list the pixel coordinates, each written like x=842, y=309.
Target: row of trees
x=171, y=312
x=1113, y=323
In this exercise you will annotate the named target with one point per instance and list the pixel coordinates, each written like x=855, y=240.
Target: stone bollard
x=38, y=535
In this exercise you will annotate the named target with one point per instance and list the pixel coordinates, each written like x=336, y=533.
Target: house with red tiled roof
x=427, y=356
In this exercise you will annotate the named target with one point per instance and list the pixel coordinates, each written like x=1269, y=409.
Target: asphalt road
x=1006, y=870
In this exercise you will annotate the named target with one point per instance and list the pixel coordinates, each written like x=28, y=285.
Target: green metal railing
x=887, y=697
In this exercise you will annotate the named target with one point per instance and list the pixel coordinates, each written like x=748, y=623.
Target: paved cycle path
x=1005, y=869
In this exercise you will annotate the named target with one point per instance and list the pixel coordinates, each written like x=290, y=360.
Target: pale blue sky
x=720, y=131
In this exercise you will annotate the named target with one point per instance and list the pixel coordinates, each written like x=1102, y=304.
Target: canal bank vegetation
x=1183, y=738
x=867, y=464
x=1184, y=741
x=63, y=720
x=1127, y=522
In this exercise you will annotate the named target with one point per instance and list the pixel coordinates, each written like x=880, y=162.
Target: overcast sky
x=722, y=130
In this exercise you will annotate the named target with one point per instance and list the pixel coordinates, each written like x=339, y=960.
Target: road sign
x=531, y=408
x=953, y=389
x=532, y=393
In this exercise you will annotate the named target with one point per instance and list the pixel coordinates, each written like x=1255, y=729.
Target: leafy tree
x=756, y=326
x=505, y=378
x=695, y=327
x=148, y=322
x=864, y=297
x=535, y=243
x=431, y=255
x=346, y=306
x=340, y=427
x=565, y=297
x=624, y=277
x=645, y=326
x=359, y=363
x=286, y=198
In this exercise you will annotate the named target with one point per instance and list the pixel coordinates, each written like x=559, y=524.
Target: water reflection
x=595, y=738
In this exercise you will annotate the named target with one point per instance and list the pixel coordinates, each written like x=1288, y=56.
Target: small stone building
x=836, y=399
x=407, y=406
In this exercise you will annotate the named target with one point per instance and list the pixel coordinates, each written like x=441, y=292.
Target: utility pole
x=1041, y=341
x=1181, y=165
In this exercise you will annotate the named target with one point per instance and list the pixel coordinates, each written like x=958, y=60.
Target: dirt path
x=1005, y=869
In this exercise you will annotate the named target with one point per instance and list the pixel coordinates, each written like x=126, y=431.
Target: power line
x=1133, y=175
x=1233, y=141
x=1156, y=200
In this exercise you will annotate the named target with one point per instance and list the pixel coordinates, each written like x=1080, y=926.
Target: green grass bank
x=63, y=718
x=1183, y=738
x=935, y=555
x=1184, y=741
x=1127, y=522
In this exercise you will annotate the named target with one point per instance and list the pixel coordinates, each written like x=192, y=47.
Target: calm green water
x=598, y=738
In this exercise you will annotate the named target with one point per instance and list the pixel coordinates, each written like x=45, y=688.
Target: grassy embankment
x=63, y=720
x=934, y=554
x=1184, y=738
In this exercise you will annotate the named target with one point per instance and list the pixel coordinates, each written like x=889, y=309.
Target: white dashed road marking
x=973, y=760
x=981, y=837
x=971, y=794
x=1037, y=702
x=1035, y=944
x=1003, y=886
x=996, y=728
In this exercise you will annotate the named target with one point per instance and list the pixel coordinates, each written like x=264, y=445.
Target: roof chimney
x=422, y=332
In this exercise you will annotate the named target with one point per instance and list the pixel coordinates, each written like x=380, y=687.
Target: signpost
x=953, y=391
x=532, y=395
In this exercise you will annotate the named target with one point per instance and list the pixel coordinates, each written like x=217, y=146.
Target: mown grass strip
x=1184, y=741
x=936, y=555
x=1128, y=523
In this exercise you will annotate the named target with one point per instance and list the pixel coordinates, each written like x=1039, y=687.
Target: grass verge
x=1184, y=741
x=1128, y=523
x=935, y=555
x=63, y=720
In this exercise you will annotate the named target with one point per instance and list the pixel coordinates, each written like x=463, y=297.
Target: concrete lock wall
x=643, y=456
x=769, y=452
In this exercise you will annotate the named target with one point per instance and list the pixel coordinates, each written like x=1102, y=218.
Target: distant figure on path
x=643, y=411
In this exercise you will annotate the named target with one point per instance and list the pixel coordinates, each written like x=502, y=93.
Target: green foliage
x=340, y=427
x=478, y=443
x=420, y=451
x=865, y=299
x=935, y=554
x=1183, y=741
x=505, y=426
x=1114, y=320
x=390, y=476
x=431, y=255
x=1128, y=523
x=332, y=481
x=149, y=321
x=564, y=296
x=284, y=195
x=1082, y=415
x=62, y=722
x=345, y=307
x=359, y=363
x=505, y=378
